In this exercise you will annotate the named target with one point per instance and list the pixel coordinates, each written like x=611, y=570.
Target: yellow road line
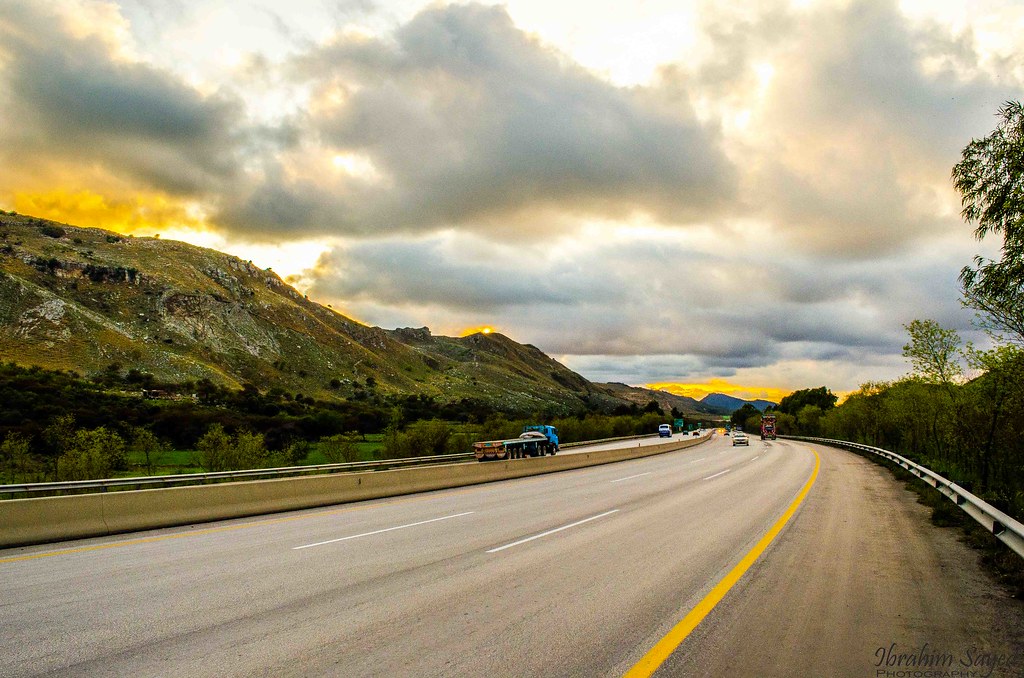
x=661, y=651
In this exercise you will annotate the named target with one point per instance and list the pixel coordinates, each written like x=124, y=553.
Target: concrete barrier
x=47, y=519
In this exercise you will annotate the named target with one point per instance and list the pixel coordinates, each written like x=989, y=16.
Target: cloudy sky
x=747, y=197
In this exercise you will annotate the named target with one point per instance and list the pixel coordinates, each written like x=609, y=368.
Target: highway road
x=580, y=573
x=639, y=442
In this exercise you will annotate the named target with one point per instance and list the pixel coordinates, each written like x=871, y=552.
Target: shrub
x=340, y=447
x=214, y=448
x=93, y=453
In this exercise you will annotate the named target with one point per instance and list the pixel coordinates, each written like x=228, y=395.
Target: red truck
x=767, y=427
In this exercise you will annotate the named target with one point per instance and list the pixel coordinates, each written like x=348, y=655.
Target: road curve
x=861, y=578
x=576, y=573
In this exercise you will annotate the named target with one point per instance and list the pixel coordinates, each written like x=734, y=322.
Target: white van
x=665, y=431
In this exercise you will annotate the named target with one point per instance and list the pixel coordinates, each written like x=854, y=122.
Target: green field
x=173, y=462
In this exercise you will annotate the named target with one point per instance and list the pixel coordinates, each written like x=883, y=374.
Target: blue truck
x=536, y=440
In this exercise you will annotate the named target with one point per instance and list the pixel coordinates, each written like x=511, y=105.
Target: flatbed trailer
x=535, y=441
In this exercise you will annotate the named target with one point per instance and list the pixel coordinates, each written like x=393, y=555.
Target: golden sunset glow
x=485, y=329
x=699, y=391
x=142, y=214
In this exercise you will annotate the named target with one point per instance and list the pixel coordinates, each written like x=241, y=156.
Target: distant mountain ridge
x=726, y=404
x=642, y=396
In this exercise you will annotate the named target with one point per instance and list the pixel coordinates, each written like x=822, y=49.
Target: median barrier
x=37, y=520
x=47, y=519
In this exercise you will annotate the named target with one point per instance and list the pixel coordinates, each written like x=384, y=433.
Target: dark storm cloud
x=434, y=272
x=622, y=299
x=471, y=121
x=69, y=100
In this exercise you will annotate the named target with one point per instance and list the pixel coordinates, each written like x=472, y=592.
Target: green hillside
x=89, y=300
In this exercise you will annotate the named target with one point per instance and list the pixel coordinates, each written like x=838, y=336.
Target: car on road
x=665, y=431
x=696, y=431
x=740, y=439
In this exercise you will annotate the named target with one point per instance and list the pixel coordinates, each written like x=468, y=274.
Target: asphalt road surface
x=639, y=442
x=577, y=573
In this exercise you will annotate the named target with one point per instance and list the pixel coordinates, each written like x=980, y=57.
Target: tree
x=248, y=450
x=396, y=444
x=807, y=419
x=15, y=453
x=990, y=180
x=93, y=453
x=144, y=441
x=742, y=416
x=58, y=435
x=214, y=448
x=340, y=447
x=57, y=438
x=820, y=397
x=430, y=437
x=786, y=424
x=296, y=451
x=936, y=356
x=1001, y=391
x=934, y=353
x=652, y=408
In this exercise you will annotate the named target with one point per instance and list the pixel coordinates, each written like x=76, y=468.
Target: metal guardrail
x=1005, y=528
x=199, y=478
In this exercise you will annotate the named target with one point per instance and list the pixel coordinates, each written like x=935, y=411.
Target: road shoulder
x=858, y=578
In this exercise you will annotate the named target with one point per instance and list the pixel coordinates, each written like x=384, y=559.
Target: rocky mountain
x=87, y=300
x=726, y=404
x=667, y=401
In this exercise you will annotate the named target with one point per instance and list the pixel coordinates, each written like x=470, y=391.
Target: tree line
x=960, y=413
x=59, y=426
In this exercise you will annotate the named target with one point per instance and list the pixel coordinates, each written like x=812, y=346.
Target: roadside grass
x=173, y=462
x=1005, y=566
x=369, y=450
x=165, y=462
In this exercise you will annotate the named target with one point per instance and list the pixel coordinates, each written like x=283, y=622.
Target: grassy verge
x=369, y=450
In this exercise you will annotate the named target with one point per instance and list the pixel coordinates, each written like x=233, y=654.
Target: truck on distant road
x=767, y=426
x=536, y=440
